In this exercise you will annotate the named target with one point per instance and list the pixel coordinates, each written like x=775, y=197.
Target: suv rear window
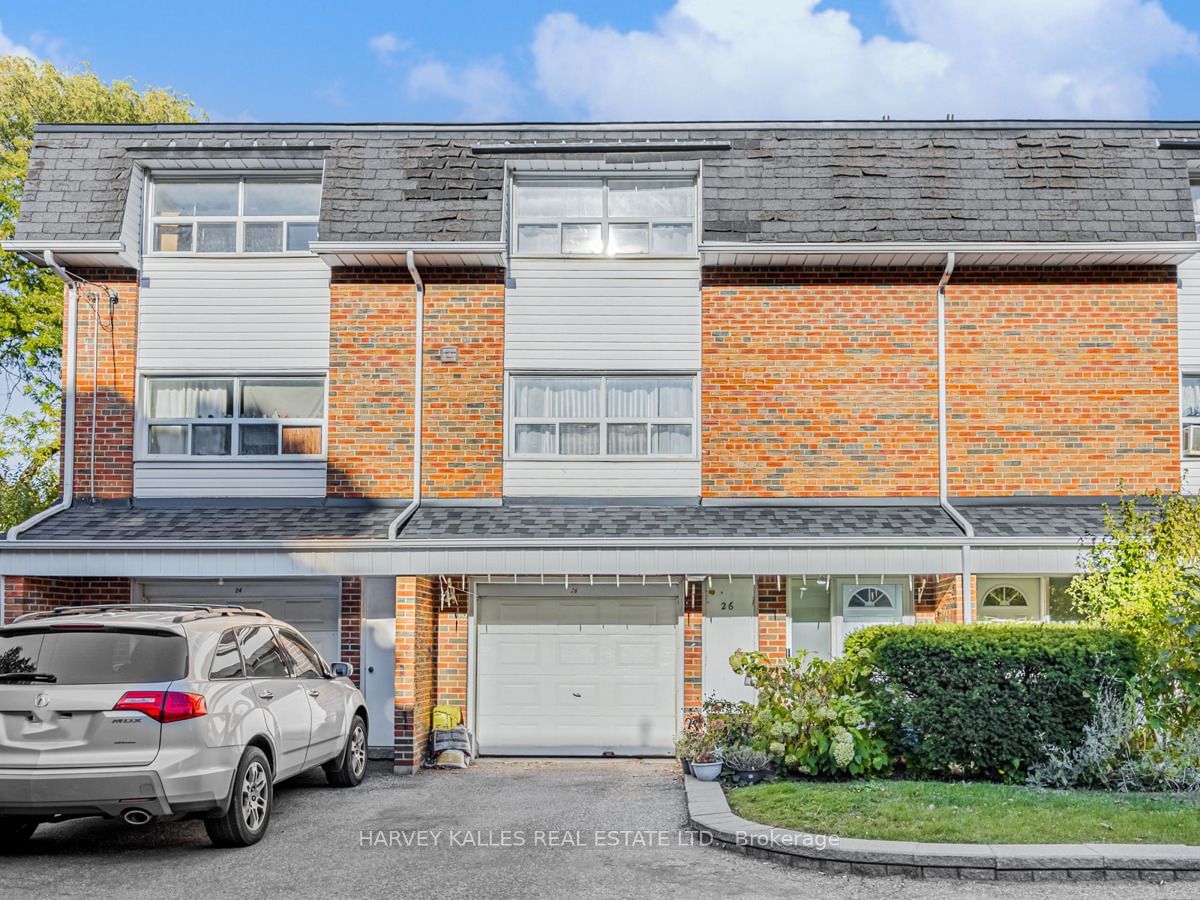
x=94, y=657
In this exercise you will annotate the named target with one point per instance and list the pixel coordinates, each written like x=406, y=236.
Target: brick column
x=414, y=670
x=450, y=650
x=693, y=646
x=937, y=598
x=351, y=625
x=106, y=369
x=772, y=617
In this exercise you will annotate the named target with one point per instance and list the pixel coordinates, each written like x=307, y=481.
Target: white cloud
x=386, y=46
x=803, y=59
x=483, y=91
x=9, y=47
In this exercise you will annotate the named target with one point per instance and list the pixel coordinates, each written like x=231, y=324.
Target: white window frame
x=239, y=220
x=235, y=421
x=604, y=220
x=603, y=420
x=1187, y=421
x=1039, y=605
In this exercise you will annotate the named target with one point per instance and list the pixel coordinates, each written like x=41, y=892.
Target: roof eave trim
x=381, y=544
x=484, y=254
x=1050, y=253
x=103, y=252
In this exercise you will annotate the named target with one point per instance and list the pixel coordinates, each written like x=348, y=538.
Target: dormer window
x=233, y=215
x=625, y=215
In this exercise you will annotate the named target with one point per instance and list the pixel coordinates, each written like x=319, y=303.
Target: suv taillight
x=163, y=706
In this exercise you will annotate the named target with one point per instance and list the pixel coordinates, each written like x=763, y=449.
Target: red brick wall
x=113, y=354
x=693, y=646
x=351, y=625
x=450, y=648
x=823, y=383
x=772, y=617
x=371, y=383
x=819, y=383
x=937, y=598
x=25, y=594
x=1062, y=382
x=414, y=669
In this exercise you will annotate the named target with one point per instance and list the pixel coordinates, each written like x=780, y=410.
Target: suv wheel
x=350, y=767
x=250, y=807
x=15, y=832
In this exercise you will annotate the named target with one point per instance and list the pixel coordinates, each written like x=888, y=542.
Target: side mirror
x=341, y=669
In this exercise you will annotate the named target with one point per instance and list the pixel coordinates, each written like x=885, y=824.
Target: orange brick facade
x=1063, y=382
x=818, y=383
x=371, y=345
x=823, y=383
x=772, y=617
x=106, y=372
x=28, y=594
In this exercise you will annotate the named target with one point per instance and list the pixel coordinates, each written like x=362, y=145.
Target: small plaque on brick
x=448, y=354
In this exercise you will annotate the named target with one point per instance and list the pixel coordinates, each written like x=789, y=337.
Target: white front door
x=576, y=675
x=730, y=624
x=863, y=605
x=378, y=676
x=811, y=620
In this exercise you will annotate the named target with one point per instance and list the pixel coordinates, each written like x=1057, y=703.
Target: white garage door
x=576, y=676
x=311, y=605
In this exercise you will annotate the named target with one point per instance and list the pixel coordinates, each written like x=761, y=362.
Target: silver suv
x=163, y=711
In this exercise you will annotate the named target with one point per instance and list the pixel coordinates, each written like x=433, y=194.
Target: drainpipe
x=69, y=385
x=943, y=464
x=418, y=401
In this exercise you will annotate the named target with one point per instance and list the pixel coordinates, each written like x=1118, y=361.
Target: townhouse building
x=546, y=421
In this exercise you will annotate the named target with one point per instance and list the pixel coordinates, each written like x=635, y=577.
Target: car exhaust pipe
x=137, y=817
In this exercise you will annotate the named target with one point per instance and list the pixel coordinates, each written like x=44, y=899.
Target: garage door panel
x=603, y=680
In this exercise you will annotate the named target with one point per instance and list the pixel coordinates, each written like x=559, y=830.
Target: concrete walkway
x=504, y=828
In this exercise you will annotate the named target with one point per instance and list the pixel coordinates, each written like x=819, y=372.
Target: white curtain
x=632, y=398
x=627, y=440
x=557, y=398
x=534, y=439
x=190, y=399
x=576, y=439
x=671, y=440
x=1191, y=396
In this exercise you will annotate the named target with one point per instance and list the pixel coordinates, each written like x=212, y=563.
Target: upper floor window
x=615, y=216
x=597, y=415
x=234, y=215
x=1190, y=404
x=1196, y=205
x=236, y=416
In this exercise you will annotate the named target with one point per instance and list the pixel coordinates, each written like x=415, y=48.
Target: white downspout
x=418, y=400
x=68, y=448
x=943, y=455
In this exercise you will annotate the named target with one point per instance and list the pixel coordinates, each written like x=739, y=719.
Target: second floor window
x=603, y=416
x=617, y=216
x=234, y=215
x=235, y=417
x=1190, y=406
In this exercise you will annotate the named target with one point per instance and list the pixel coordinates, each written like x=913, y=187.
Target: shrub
x=1143, y=577
x=984, y=701
x=1121, y=751
x=811, y=715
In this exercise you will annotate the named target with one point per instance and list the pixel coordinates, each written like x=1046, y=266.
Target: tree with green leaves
x=31, y=300
x=1142, y=576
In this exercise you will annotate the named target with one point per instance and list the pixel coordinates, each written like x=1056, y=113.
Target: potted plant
x=685, y=749
x=706, y=764
x=749, y=766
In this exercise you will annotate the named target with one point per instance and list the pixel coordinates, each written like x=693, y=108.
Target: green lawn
x=970, y=813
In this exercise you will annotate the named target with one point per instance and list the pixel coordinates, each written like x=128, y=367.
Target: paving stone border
x=709, y=813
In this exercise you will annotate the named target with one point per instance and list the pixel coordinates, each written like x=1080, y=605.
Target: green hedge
x=978, y=701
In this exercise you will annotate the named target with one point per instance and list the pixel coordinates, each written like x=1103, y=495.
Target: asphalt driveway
x=504, y=828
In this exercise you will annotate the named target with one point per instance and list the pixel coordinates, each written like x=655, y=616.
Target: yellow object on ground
x=446, y=717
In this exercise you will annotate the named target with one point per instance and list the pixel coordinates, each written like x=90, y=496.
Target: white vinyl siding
x=1189, y=349
x=206, y=314
x=626, y=314
x=229, y=478
x=601, y=478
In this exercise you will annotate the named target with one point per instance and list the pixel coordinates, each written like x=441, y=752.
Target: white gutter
x=69, y=385
x=418, y=399
x=943, y=451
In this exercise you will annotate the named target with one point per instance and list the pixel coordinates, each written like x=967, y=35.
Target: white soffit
x=102, y=254
x=449, y=254
x=919, y=253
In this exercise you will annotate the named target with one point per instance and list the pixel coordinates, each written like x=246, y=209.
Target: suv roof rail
x=189, y=611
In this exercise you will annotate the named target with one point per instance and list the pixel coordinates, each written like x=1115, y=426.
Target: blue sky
x=409, y=61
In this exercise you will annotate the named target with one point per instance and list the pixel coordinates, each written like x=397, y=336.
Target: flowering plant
x=813, y=716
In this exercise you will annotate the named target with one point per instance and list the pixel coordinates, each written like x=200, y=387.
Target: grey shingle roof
x=776, y=183
x=534, y=521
